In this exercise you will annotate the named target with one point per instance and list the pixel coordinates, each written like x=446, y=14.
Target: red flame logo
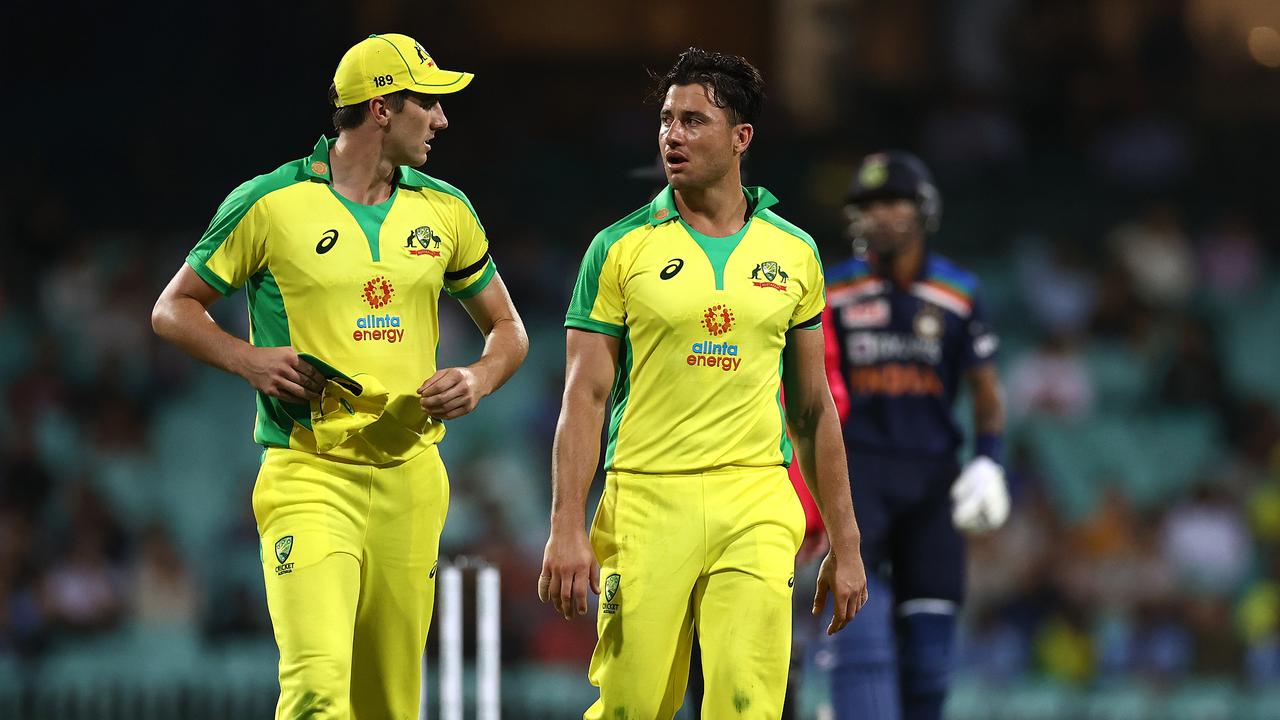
x=378, y=292
x=718, y=320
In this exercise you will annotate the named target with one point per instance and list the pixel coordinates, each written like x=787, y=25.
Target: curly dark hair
x=735, y=85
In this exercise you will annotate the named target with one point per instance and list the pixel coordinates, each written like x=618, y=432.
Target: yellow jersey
x=356, y=286
x=703, y=323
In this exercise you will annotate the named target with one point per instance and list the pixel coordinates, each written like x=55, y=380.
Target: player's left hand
x=979, y=496
x=451, y=393
x=846, y=580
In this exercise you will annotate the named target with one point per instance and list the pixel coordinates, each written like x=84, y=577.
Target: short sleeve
x=808, y=312
x=470, y=267
x=980, y=339
x=597, y=303
x=233, y=248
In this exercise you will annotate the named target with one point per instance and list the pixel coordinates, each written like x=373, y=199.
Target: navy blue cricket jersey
x=902, y=352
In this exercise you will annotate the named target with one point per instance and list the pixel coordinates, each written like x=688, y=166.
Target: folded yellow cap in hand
x=347, y=404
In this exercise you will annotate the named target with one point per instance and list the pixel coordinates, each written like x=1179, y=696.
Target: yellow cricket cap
x=382, y=64
x=345, y=408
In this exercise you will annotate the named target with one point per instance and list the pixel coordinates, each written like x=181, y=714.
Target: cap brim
x=443, y=82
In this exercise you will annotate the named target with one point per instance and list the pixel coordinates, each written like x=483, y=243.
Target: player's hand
x=846, y=580
x=278, y=372
x=568, y=569
x=980, y=497
x=451, y=393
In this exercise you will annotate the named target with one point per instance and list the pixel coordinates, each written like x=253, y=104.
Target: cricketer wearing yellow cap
x=343, y=255
x=691, y=314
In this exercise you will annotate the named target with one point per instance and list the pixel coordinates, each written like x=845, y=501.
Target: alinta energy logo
x=378, y=293
x=718, y=320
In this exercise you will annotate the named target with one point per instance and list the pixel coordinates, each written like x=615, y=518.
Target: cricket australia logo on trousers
x=284, y=546
x=611, y=584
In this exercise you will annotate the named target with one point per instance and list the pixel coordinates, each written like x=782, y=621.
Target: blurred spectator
x=75, y=289
x=1064, y=648
x=44, y=386
x=1231, y=258
x=89, y=514
x=22, y=619
x=1218, y=650
x=1056, y=283
x=1195, y=377
x=1119, y=314
x=118, y=420
x=1165, y=649
x=1207, y=542
x=1115, y=640
x=1157, y=256
x=992, y=648
x=1116, y=561
x=122, y=326
x=1258, y=617
x=84, y=588
x=1264, y=513
x=84, y=592
x=1053, y=380
x=163, y=593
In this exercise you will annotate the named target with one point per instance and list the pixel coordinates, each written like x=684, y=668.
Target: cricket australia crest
x=284, y=546
x=611, y=584
x=771, y=271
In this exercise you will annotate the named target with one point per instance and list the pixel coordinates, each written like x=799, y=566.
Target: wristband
x=988, y=444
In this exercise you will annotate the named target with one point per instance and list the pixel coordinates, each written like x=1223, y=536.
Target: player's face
x=410, y=131
x=697, y=141
x=889, y=226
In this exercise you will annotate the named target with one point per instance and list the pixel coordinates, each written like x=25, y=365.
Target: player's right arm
x=231, y=250
x=569, y=564
x=181, y=316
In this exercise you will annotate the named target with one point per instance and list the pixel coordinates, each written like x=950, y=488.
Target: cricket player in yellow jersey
x=690, y=314
x=343, y=255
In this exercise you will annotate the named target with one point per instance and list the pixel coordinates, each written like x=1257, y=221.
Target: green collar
x=663, y=208
x=317, y=166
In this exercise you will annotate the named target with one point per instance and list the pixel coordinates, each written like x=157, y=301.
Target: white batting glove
x=980, y=499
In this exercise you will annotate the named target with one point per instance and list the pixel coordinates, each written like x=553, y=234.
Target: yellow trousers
x=715, y=551
x=348, y=556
